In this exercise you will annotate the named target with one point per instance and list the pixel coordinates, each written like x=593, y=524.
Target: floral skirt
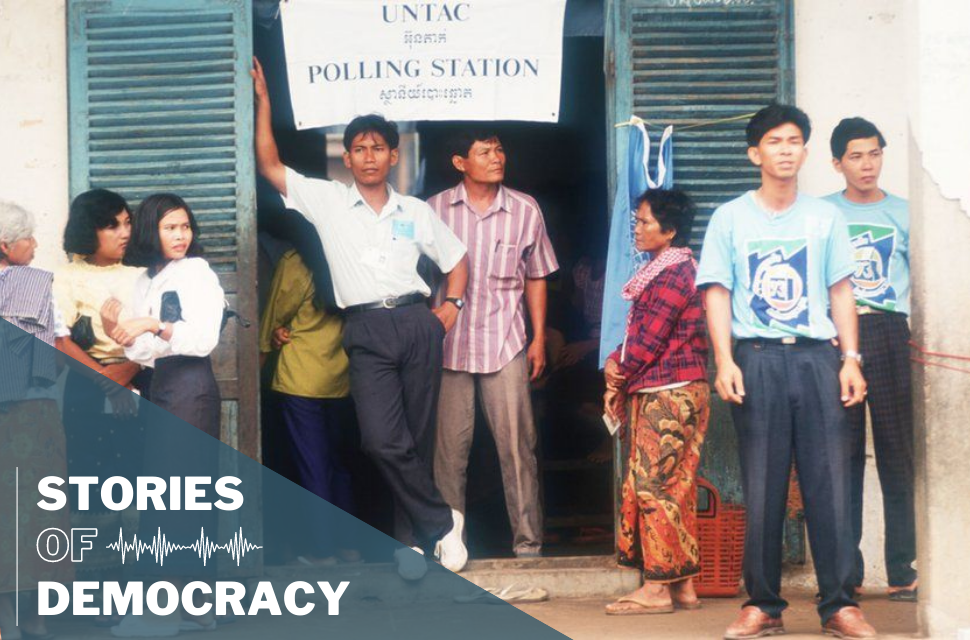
x=659, y=494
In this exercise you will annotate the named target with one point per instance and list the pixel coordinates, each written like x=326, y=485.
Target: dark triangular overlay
x=115, y=538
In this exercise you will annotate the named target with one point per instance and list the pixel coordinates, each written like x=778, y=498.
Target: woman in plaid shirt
x=657, y=387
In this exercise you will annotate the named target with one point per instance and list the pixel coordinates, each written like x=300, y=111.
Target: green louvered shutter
x=161, y=100
x=677, y=62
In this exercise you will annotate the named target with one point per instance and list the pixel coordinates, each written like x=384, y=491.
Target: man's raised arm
x=268, y=161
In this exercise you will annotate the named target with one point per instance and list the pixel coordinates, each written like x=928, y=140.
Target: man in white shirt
x=373, y=237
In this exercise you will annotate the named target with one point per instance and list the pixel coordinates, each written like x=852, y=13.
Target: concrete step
x=566, y=577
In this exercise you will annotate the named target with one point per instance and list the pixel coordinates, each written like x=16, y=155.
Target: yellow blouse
x=81, y=289
x=313, y=364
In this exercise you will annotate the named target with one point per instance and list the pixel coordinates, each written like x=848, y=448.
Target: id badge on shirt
x=403, y=229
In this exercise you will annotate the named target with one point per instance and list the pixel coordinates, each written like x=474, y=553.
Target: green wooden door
x=678, y=62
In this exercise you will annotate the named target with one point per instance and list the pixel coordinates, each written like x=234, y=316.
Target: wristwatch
x=162, y=326
x=458, y=302
x=852, y=355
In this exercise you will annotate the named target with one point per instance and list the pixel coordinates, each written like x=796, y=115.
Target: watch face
x=458, y=302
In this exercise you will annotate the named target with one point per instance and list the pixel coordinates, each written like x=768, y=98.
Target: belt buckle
x=389, y=303
x=789, y=340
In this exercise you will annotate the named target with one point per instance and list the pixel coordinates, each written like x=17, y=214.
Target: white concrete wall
x=33, y=117
x=850, y=61
x=938, y=77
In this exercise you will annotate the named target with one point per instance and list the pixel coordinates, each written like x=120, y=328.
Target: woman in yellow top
x=312, y=381
x=98, y=444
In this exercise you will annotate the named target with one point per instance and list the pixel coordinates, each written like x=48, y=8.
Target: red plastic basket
x=720, y=536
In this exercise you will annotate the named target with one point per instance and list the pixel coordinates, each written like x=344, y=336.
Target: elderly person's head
x=17, y=242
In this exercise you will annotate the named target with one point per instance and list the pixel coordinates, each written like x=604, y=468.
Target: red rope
x=937, y=354
x=941, y=365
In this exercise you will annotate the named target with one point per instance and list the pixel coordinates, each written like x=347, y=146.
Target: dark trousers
x=792, y=410
x=313, y=434
x=395, y=376
x=884, y=342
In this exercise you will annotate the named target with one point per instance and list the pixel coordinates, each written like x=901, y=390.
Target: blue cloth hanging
x=623, y=260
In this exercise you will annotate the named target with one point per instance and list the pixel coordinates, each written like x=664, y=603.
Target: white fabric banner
x=469, y=60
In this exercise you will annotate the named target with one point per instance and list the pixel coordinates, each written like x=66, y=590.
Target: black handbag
x=82, y=333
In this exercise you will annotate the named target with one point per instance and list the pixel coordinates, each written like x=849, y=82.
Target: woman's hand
x=121, y=373
x=613, y=401
x=110, y=311
x=281, y=336
x=127, y=331
x=614, y=379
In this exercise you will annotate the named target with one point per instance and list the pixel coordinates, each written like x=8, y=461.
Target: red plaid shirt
x=666, y=340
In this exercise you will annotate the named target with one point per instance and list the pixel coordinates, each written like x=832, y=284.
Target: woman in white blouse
x=177, y=311
x=173, y=327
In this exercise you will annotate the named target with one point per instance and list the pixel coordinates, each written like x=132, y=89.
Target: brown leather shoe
x=752, y=622
x=848, y=622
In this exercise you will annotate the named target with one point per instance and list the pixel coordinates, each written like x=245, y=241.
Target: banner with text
x=472, y=60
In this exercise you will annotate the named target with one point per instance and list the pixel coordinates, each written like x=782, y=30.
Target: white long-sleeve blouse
x=202, y=301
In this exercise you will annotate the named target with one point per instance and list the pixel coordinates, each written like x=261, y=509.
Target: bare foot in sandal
x=683, y=595
x=650, y=598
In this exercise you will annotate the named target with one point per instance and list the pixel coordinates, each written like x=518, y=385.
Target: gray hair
x=16, y=223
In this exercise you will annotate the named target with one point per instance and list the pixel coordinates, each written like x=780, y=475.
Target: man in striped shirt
x=510, y=256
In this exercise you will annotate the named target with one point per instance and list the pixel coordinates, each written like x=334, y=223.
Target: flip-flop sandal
x=525, y=595
x=636, y=607
x=688, y=606
x=903, y=595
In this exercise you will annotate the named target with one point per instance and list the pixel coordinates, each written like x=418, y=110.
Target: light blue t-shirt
x=778, y=269
x=879, y=233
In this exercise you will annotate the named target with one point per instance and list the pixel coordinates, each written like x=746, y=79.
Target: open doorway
x=564, y=167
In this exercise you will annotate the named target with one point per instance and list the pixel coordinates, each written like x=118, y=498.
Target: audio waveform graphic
x=160, y=547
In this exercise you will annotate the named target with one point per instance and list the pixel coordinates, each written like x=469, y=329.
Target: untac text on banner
x=465, y=60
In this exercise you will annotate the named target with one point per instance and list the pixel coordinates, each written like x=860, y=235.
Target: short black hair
x=461, y=143
x=90, y=212
x=773, y=116
x=372, y=123
x=674, y=210
x=850, y=129
x=145, y=248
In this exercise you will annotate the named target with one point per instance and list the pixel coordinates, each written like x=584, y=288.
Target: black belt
x=787, y=341
x=388, y=303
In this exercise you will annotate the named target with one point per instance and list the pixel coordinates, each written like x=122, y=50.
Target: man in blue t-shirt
x=879, y=234
x=775, y=270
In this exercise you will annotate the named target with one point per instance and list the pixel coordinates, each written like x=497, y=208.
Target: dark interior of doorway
x=562, y=165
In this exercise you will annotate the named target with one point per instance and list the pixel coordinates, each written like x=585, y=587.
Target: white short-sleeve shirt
x=372, y=255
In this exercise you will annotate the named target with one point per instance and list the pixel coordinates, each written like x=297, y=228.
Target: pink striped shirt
x=506, y=244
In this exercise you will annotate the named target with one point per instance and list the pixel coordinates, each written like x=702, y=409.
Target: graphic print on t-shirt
x=873, y=246
x=779, y=282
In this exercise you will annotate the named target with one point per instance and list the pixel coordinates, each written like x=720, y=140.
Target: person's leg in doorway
x=891, y=407
x=508, y=411
x=453, y=440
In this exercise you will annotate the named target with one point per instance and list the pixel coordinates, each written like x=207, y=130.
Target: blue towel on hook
x=623, y=260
